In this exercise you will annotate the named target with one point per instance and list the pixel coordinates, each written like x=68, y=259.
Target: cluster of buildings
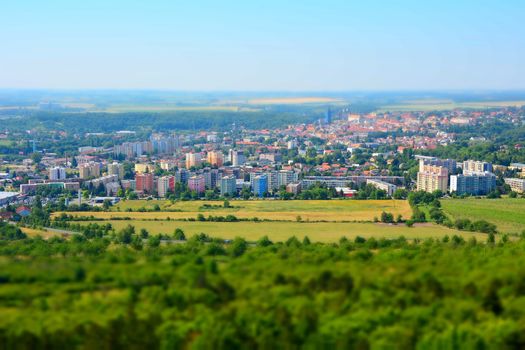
x=476, y=177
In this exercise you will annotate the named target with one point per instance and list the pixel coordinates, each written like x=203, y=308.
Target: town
x=341, y=155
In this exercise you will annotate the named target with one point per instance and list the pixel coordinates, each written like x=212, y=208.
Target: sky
x=263, y=45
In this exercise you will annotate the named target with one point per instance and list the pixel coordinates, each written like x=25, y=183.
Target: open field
x=508, y=214
x=281, y=231
x=31, y=232
x=331, y=210
x=292, y=100
x=170, y=108
x=435, y=105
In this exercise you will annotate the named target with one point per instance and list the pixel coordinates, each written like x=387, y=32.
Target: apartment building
x=197, y=183
x=228, y=185
x=116, y=169
x=144, y=183
x=165, y=184
x=89, y=170
x=215, y=158
x=382, y=185
x=516, y=185
x=193, y=160
x=477, y=184
x=57, y=173
x=432, y=178
x=474, y=166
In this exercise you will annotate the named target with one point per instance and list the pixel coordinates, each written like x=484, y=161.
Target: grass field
x=281, y=231
x=435, y=105
x=331, y=210
x=508, y=214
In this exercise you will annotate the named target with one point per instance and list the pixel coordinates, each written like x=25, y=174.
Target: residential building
x=165, y=184
x=116, y=169
x=89, y=170
x=228, y=185
x=237, y=158
x=144, y=168
x=57, y=173
x=477, y=184
x=473, y=166
x=197, y=183
x=516, y=185
x=432, y=178
x=346, y=181
x=260, y=185
x=215, y=158
x=382, y=185
x=294, y=188
x=211, y=178
x=193, y=160
x=284, y=177
x=144, y=183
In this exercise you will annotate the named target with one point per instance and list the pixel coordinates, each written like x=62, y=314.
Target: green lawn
x=281, y=231
x=508, y=214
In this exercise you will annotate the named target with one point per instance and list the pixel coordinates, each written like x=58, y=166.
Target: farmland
x=321, y=221
x=508, y=214
x=333, y=210
x=439, y=105
x=326, y=232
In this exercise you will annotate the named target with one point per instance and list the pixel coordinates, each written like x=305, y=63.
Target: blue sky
x=263, y=45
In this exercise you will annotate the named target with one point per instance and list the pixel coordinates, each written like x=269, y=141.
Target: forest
x=137, y=292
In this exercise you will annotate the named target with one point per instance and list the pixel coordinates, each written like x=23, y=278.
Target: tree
x=387, y=217
x=306, y=240
x=264, y=242
x=144, y=233
x=125, y=235
x=238, y=247
x=179, y=235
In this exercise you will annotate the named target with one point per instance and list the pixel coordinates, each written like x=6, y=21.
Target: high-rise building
x=477, y=184
x=116, y=169
x=193, y=160
x=450, y=164
x=197, y=183
x=144, y=182
x=211, y=178
x=286, y=176
x=144, y=168
x=473, y=166
x=260, y=185
x=228, y=185
x=182, y=176
x=237, y=158
x=89, y=170
x=57, y=173
x=431, y=178
x=215, y=158
x=165, y=184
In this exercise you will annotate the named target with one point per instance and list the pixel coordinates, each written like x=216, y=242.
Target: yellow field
x=332, y=210
x=435, y=105
x=281, y=231
x=31, y=232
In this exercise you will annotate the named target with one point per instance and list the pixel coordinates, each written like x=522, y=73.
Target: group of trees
x=205, y=293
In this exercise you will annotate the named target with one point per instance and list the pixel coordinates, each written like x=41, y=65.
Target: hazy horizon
x=263, y=46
